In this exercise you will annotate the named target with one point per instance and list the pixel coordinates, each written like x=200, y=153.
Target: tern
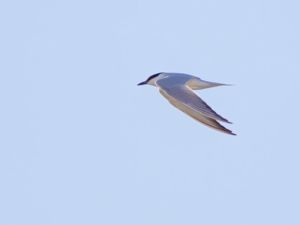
x=178, y=88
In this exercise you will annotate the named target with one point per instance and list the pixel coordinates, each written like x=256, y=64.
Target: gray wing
x=195, y=114
x=185, y=95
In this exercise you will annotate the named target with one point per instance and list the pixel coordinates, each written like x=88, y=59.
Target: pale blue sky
x=82, y=144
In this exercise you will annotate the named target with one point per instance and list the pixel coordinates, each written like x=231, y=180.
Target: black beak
x=142, y=83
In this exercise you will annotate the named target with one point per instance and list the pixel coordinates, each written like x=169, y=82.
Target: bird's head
x=151, y=80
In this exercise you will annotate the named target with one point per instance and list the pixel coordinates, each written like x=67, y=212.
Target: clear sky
x=82, y=144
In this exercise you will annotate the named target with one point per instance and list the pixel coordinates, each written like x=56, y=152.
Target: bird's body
x=178, y=88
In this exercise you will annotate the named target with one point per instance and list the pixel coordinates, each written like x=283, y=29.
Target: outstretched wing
x=186, y=96
x=212, y=123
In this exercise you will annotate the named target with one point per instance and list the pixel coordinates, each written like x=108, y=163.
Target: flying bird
x=178, y=88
